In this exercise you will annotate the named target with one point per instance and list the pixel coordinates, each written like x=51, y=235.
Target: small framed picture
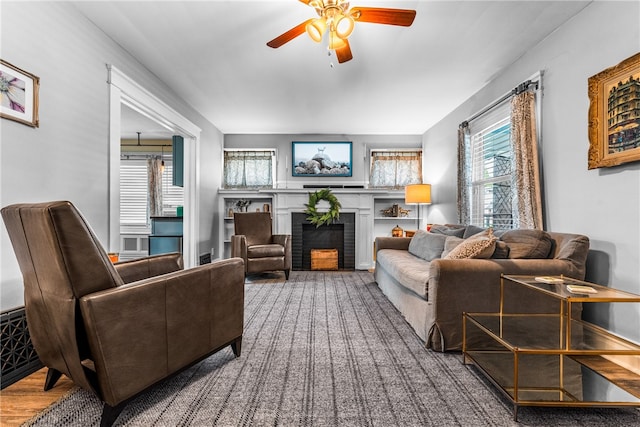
x=19, y=94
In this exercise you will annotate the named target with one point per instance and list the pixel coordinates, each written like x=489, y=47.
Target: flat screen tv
x=321, y=158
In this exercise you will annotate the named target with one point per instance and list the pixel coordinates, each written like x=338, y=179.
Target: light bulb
x=335, y=42
x=344, y=26
x=316, y=29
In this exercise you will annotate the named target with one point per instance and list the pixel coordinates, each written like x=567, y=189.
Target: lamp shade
x=417, y=193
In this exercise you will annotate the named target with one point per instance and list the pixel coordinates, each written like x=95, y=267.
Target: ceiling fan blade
x=289, y=35
x=381, y=15
x=344, y=53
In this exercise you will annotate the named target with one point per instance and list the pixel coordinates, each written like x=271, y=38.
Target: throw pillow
x=502, y=250
x=480, y=245
x=472, y=230
x=528, y=243
x=447, y=230
x=427, y=246
x=450, y=244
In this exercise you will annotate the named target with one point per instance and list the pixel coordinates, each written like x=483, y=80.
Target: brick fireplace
x=340, y=235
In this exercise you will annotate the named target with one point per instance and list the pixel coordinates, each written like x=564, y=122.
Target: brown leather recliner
x=256, y=244
x=117, y=329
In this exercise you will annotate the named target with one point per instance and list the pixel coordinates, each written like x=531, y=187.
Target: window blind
x=133, y=192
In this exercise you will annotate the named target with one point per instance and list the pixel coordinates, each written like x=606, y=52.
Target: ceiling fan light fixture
x=316, y=29
x=344, y=26
x=335, y=42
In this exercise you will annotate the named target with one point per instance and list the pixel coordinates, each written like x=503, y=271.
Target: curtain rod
x=522, y=87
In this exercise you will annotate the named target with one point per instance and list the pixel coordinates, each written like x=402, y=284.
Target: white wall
x=362, y=145
x=603, y=204
x=67, y=156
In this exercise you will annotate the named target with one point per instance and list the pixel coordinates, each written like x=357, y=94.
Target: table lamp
x=418, y=194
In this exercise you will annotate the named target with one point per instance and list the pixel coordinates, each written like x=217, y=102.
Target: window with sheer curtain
x=395, y=169
x=248, y=168
x=498, y=168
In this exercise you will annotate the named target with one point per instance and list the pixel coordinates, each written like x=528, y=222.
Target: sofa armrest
x=473, y=285
x=401, y=243
x=143, y=331
x=143, y=268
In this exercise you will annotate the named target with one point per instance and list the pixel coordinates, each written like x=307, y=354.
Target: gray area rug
x=325, y=349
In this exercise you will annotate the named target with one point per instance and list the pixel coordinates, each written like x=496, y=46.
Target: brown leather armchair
x=117, y=329
x=256, y=244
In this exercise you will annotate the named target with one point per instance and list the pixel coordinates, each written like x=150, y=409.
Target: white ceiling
x=402, y=80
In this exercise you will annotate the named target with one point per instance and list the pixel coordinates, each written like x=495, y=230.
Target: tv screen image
x=321, y=158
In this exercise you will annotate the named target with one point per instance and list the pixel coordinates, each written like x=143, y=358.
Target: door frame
x=124, y=90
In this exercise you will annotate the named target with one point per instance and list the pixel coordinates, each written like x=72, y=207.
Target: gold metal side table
x=543, y=358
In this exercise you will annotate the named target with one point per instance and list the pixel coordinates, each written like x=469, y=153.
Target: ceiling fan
x=339, y=19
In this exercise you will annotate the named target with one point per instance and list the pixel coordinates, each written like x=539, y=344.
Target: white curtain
x=395, y=169
x=248, y=169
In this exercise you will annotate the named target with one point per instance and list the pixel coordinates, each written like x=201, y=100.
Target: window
x=489, y=169
x=134, y=193
x=248, y=168
x=395, y=169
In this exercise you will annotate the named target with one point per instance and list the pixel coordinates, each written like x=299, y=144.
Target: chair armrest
x=401, y=243
x=143, y=331
x=239, y=247
x=143, y=268
x=284, y=240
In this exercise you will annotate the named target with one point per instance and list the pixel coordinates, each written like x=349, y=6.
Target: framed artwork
x=614, y=114
x=321, y=158
x=19, y=94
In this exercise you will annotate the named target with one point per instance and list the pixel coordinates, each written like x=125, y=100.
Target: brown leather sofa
x=256, y=244
x=117, y=329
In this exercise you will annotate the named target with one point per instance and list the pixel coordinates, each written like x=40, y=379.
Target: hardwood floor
x=24, y=399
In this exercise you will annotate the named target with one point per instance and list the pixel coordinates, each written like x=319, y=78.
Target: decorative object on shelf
x=395, y=211
x=266, y=207
x=420, y=194
x=322, y=218
x=242, y=205
x=19, y=93
x=230, y=213
x=397, y=231
x=336, y=17
x=320, y=159
x=613, y=131
x=409, y=233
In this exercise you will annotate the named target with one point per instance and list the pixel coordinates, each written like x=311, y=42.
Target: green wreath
x=322, y=218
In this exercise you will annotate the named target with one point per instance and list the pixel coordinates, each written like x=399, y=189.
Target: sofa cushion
x=410, y=271
x=427, y=246
x=535, y=244
x=480, y=245
x=448, y=230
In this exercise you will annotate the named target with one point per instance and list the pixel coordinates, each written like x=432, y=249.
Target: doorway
x=124, y=91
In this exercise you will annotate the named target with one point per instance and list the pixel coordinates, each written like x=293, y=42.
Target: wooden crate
x=324, y=259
